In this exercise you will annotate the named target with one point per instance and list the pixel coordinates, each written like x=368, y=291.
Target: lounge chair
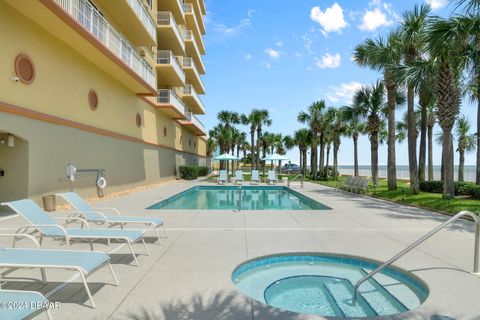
x=238, y=177
x=91, y=214
x=255, y=178
x=32, y=303
x=85, y=263
x=272, y=177
x=222, y=177
x=41, y=221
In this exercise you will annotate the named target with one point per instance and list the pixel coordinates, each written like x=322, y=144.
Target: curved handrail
x=459, y=215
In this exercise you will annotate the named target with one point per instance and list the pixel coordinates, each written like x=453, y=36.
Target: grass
x=431, y=201
x=247, y=176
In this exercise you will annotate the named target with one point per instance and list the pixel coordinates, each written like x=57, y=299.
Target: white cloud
x=437, y=4
x=329, y=61
x=279, y=43
x=344, y=92
x=248, y=56
x=267, y=65
x=331, y=20
x=231, y=31
x=298, y=54
x=272, y=53
x=307, y=43
x=374, y=19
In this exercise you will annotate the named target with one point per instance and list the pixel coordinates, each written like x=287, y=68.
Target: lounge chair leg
x=166, y=232
x=156, y=232
x=40, y=240
x=133, y=253
x=146, y=248
x=87, y=289
x=49, y=315
x=91, y=245
x=113, y=273
x=108, y=242
x=44, y=276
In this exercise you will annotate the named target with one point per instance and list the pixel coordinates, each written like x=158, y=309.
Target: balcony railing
x=189, y=63
x=188, y=36
x=188, y=9
x=167, y=19
x=190, y=91
x=144, y=16
x=89, y=17
x=167, y=57
x=191, y=118
x=168, y=96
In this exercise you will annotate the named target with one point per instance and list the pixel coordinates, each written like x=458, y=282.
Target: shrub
x=432, y=186
x=461, y=188
x=192, y=172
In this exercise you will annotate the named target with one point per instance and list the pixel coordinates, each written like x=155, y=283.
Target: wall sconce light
x=10, y=141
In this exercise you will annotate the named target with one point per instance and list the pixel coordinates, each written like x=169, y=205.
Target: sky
x=282, y=55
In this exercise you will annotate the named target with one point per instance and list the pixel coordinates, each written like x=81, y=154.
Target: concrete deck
x=188, y=276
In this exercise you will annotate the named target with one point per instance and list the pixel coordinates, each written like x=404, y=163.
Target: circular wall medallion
x=138, y=120
x=93, y=100
x=24, y=68
x=164, y=131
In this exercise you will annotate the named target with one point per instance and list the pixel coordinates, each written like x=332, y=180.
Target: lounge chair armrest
x=82, y=214
x=22, y=235
x=109, y=209
x=38, y=226
x=83, y=221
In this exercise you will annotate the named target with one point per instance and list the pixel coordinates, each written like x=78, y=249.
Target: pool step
x=344, y=288
x=379, y=297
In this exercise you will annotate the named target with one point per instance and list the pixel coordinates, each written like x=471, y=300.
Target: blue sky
x=282, y=55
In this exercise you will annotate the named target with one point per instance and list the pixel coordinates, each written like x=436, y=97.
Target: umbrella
x=226, y=157
x=275, y=157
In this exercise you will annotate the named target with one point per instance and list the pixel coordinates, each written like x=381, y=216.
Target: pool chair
x=255, y=178
x=272, y=177
x=222, y=177
x=85, y=263
x=91, y=214
x=39, y=220
x=238, y=177
x=32, y=303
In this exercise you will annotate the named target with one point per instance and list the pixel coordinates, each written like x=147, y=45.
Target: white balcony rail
x=168, y=96
x=189, y=63
x=144, y=17
x=190, y=90
x=188, y=36
x=167, y=19
x=89, y=17
x=167, y=57
x=188, y=8
x=191, y=118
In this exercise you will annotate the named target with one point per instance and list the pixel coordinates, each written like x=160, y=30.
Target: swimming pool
x=251, y=198
x=322, y=284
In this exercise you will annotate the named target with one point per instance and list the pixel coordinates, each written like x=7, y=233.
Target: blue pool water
x=251, y=198
x=323, y=285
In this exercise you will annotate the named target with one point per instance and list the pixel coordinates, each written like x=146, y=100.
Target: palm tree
x=431, y=120
x=223, y=137
x=240, y=140
x=413, y=32
x=267, y=145
x=255, y=119
x=369, y=103
x=303, y=139
x=228, y=118
x=466, y=143
x=262, y=118
x=211, y=145
x=354, y=126
x=337, y=123
x=383, y=54
x=278, y=142
x=328, y=145
x=314, y=120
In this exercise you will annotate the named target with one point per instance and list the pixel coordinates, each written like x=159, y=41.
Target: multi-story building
x=100, y=84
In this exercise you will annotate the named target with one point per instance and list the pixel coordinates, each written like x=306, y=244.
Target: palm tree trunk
x=442, y=167
x=477, y=180
x=238, y=156
x=423, y=143
x=430, y=153
x=301, y=160
x=391, y=158
x=461, y=165
x=412, y=141
x=355, y=154
x=448, y=182
x=313, y=162
x=322, y=153
x=327, y=161
x=259, y=135
x=374, y=157
x=252, y=146
x=304, y=161
x=336, y=147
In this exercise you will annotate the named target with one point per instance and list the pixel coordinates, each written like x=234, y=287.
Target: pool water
x=323, y=285
x=244, y=198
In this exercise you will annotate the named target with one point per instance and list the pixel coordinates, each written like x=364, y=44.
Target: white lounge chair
x=272, y=177
x=31, y=302
x=222, y=177
x=91, y=214
x=238, y=177
x=255, y=178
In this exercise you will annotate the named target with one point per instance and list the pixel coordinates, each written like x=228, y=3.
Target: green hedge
x=192, y=172
x=461, y=188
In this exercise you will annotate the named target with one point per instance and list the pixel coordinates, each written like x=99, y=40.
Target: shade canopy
x=226, y=156
x=275, y=157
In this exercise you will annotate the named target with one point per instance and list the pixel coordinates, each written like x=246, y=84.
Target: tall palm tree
x=413, y=33
x=267, y=145
x=303, y=139
x=278, y=142
x=466, y=143
x=228, y=118
x=338, y=126
x=383, y=54
x=313, y=117
x=223, y=137
x=431, y=120
x=240, y=140
x=211, y=145
x=262, y=118
x=255, y=119
x=369, y=102
x=354, y=127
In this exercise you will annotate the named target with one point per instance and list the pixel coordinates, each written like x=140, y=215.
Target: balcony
x=200, y=11
x=191, y=98
x=193, y=76
x=171, y=104
x=194, y=125
x=192, y=23
x=169, y=70
x=192, y=49
x=169, y=35
x=132, y=18
x=175, y=7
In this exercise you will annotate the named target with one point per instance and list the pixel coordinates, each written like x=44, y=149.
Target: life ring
x=101, y=182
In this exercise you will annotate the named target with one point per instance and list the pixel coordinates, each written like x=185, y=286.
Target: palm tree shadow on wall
x=221, y=306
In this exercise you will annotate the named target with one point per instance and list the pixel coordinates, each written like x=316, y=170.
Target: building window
x=24, y=68
x=138, y=120
x=190, y=142
x=194, y=144
x=93, y=100
x=164, y=131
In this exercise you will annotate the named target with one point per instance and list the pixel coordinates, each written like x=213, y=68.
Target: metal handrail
x=459, y=215
x=295, y=178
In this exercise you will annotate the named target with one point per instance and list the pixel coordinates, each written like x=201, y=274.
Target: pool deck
x=188, y=276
